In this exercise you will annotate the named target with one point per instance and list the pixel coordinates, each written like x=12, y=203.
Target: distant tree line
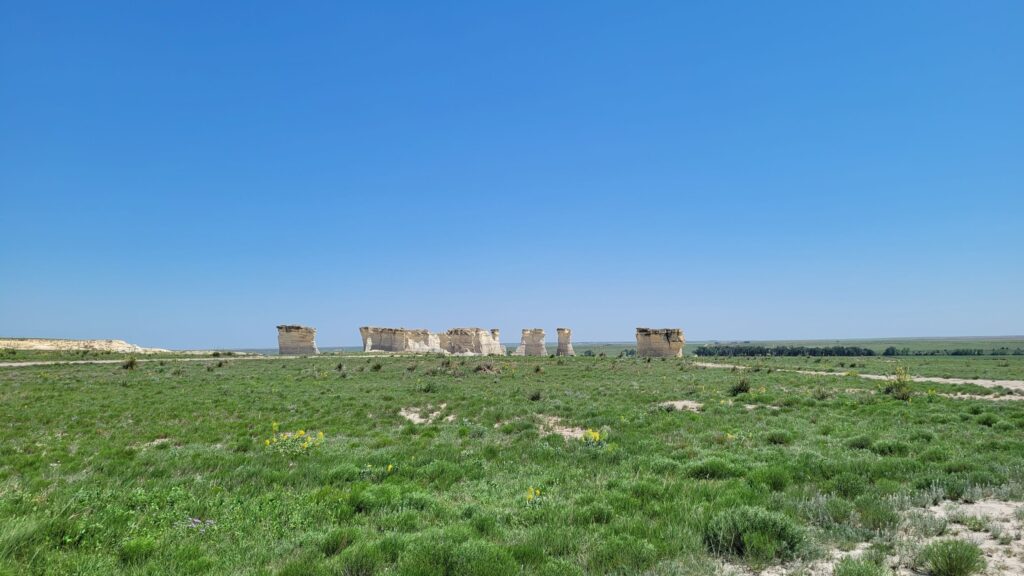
x=1001, y=351
x=756, y=350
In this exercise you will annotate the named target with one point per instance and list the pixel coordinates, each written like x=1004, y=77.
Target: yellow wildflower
x=302, y=432
x=390, y=468
x=266, y=442
x=274, y=426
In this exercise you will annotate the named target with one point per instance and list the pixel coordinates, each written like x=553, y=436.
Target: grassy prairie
x=988, y=367
x=915, y=345
x=165, y=469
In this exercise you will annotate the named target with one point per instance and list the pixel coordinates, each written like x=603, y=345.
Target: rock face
x=296, y=340
x=564, y=342
x=399, y=340
x=472, y=342
x=532, y=343
x=458, y=341
x=659, y=342
x=58, y=345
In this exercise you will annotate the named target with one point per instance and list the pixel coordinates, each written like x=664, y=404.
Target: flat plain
x=346, y=464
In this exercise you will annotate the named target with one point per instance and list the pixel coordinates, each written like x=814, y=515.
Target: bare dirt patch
x=553, y=425
x=424, y=415
x=687, y=405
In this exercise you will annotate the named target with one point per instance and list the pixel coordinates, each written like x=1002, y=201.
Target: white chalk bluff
x=472, y=342
x=399, y=340
x=296, y=340
x=659, y=342
x=532, y=343
x=457, y=341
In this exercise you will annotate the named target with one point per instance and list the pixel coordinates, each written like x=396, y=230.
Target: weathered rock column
x=659, y=342
x=532, y=343
x=296, y=340
x=564, y=342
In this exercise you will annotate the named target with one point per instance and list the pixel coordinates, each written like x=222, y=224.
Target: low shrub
x=951, y=558
x=361, y=559
x=779, y=437
x=713, y=469
x=753, y=533
x=890, y=448
x=741, y=387
x=136, y=550
x=776, y=478
x=876, y=514
x=860, y=443
x=848, y=485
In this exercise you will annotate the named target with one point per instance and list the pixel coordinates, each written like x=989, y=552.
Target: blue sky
x=190, y=174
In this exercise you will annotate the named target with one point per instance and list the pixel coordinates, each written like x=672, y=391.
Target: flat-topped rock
x=532, y=343
x=659, y=342
x=376, y=339
x=294, y=340
x=472, y=342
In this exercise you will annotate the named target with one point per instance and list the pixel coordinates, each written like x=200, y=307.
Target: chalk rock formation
x=59, y=345
x=659, y=342
x=399, y=340
x=472, y=342
x=564, y=342
x=296, y=340
x=532, y=343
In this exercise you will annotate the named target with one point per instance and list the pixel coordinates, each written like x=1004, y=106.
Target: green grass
x=990, y=367
x=163, y=469
x=952, y=558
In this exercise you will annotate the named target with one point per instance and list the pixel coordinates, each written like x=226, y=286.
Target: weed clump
x=860, y=443
x=741, y=387
x=487, y=368
x=776, y=478
x=899, y=385
x=952, y=558
x=130, y=364
x=713, y=469
x=136, y=550
x=754, y=534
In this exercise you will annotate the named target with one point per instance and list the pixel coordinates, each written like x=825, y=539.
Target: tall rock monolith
x=564, y=342
x=296, y=340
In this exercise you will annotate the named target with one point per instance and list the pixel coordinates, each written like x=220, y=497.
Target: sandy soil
x=424, y=415
x=553, y=425
x=689, y=405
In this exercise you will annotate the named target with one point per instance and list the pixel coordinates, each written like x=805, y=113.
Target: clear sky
x=190, y=174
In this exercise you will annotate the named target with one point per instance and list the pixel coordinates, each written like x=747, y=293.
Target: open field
x=165, y=468
x=970, y=367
